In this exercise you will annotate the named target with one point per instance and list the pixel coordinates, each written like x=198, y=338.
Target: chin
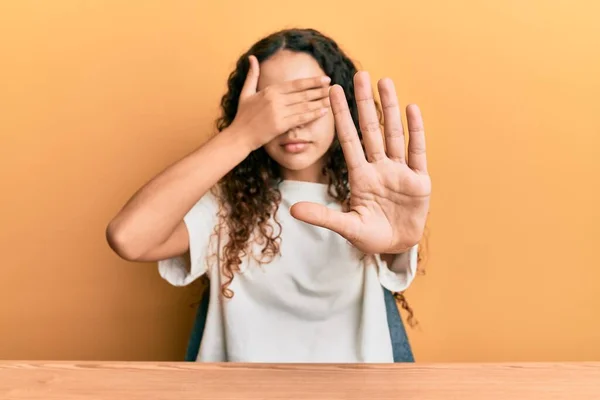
x=297, y=163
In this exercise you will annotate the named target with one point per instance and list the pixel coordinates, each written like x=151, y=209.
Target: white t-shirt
x=319, y=300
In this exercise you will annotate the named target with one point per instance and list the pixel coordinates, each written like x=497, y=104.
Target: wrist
x=238, y=139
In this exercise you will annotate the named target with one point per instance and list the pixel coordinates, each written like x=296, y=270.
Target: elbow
x=121, y=242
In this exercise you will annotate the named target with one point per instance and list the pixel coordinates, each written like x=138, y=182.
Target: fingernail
x=325, y=79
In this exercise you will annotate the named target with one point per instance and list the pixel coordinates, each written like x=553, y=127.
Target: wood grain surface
x=149, y=381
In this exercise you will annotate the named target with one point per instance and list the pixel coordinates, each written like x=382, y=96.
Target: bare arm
x=150, y=225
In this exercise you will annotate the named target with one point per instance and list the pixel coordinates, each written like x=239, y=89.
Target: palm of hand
x=389, y=194
x=388, y=207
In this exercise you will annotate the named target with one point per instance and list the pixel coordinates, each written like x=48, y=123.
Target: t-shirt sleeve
x=200, y=222
x=399, y=281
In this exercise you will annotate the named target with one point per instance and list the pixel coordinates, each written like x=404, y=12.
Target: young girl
x=297, y=227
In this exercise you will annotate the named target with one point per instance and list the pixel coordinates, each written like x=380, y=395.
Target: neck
x=314, y=173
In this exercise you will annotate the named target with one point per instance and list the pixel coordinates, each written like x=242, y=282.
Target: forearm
x=154, y=211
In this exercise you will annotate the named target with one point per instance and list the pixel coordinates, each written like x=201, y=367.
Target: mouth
x=295, y=146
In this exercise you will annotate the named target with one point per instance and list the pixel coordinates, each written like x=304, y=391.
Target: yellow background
x=98, y=96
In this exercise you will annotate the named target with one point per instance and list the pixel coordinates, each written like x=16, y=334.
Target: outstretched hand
x=390, y=189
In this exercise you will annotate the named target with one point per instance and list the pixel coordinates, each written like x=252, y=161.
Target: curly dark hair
x=249, y=193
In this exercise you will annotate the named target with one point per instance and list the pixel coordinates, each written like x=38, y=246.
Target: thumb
x=251, y=82
x=345, y=224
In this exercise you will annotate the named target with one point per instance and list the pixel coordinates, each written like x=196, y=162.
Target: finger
x=307, y=106
x=392, y=126
x=299, y=85
x=307, y=95
x=345, y=224
x=304, y=118
x=345, y=129
x=251, y=82
x=417, y=159
x=367, y=116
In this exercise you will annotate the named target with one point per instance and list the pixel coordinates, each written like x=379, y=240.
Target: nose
x=293, y=133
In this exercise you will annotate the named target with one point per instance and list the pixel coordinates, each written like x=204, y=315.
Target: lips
x=295, y=146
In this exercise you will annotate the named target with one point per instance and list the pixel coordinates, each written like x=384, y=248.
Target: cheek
x=271, y=147
x=323, y=129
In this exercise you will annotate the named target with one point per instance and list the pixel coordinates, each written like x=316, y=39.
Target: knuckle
x=390, y=105
x=416, y=131
x=394, y=132
x=269, y=94
x=370, y=127
x=303, y=118
x=344, y=138
x=296, y=85
x=417, y=150
x=376, y=156
x=339, y=110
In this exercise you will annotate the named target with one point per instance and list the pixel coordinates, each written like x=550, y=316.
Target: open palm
x=390, y=189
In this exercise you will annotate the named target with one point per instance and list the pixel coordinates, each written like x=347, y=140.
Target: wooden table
x=150, y=381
